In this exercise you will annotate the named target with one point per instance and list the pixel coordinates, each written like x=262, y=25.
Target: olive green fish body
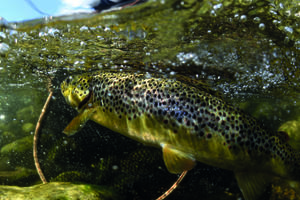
x=187, y=123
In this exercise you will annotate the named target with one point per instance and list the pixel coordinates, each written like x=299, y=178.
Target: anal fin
x=251, y=184
x=78, y=122
x=177, y=161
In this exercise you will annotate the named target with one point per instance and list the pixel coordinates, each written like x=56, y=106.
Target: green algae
x=19, y=152
x=20, y=176
x=57, y=190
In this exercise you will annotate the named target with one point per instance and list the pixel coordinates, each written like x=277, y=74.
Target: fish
x=190, y=124
x=102, y=5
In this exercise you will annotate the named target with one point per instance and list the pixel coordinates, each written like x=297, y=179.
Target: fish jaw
x=67, y=93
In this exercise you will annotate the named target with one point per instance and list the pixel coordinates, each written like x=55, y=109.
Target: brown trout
x=188, y=123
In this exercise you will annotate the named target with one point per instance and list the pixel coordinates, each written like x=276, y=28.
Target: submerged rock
x=28, y=127
x=19, y=152
x=17, y=164
x=57, y=190
x=6, y=137
x=19, y=176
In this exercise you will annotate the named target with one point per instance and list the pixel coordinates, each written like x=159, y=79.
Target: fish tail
x=283, y=166
x=252, y=184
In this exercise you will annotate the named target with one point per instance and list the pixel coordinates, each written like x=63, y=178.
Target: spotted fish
x=188, y=123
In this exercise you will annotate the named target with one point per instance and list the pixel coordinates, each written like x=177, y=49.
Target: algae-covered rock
x=6, y=137
x=26, y=113
x=17, y=164
x=55, y=191
x=28, y=127
x=19, y=176
x=19, y=152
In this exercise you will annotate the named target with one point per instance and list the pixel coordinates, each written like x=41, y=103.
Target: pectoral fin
x=177, y=161
x=252, y=185
x=78, y=122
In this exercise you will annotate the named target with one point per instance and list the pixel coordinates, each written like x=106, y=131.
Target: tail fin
x=295, y=185
x=251, y=184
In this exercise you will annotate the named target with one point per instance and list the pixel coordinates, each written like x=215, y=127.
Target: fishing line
x=173, y=187
x=36, y=138
x=32, y=5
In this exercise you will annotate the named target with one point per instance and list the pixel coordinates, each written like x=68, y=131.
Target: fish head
x=77, y=90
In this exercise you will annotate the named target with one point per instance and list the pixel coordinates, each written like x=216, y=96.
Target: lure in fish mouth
x=188, y=123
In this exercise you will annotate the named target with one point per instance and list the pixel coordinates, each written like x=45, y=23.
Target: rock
x=57, y=190
x=25, y=113
x=3, y=125
x=17, y=164
x=19, y=152
x=5, y=164
x=19, y=176
x=28, y=127
x=6, y=137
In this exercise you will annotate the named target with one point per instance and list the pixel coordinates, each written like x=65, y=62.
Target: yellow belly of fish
x=153, y=132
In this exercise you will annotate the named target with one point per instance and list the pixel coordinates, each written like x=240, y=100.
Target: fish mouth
x=67, y=93
x=85, y=100
x=72, y=102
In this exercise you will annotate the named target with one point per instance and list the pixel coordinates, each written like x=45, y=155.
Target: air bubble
x=256, y=19
x=83, y=28
x=243, y=18
x=261, y=26
x=288, y=29
x=217, y=6
x=115, y=167
x=53, y=31
x=2, y=35
x=3, y=47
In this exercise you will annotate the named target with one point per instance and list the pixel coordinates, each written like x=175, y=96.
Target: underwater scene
x=166, y=99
